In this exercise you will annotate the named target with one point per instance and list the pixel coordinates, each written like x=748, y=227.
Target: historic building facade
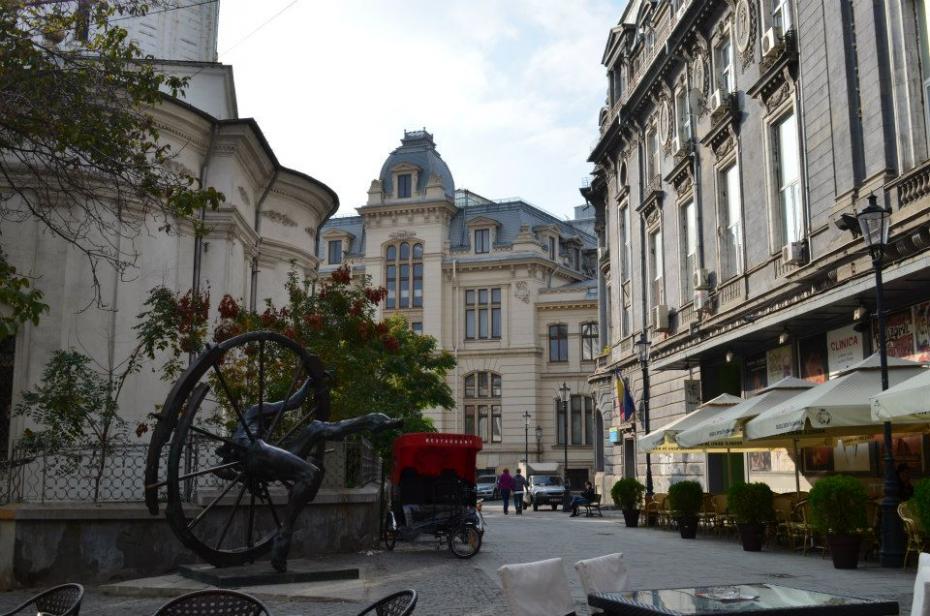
x=504, y=286
x=737, y=142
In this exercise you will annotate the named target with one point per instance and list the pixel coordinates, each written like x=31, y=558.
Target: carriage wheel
x=240, y=511
x=465, y=541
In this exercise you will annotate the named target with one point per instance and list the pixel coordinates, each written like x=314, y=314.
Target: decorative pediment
x=482, y=221
x=721, y=139
x=335, y=233
x=651, y=208
x=405, y=167
x=777, y=83
x=682, y=174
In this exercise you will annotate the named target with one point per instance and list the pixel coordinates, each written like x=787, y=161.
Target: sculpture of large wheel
x=240, y=509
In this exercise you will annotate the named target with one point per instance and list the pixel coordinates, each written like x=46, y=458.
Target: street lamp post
x=526, y=437
x=565, y=391
x=539, y=436
x=873, y=222
x=642, y=352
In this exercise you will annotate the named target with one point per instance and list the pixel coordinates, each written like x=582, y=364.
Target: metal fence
x=79, y=475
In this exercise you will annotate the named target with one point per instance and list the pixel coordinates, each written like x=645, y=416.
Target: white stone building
x=504, y=286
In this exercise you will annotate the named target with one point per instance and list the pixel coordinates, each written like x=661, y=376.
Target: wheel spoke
x=261, y=386
x=267, y=499
x=251, y=525
x=294, y=428
x=218, y=498
x=194, y=474
x=232, y=516
x=217, y=437
x=233, y=402
x=287, y=399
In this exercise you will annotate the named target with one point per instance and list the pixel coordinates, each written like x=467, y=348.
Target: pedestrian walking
x=505, y=485
x=519, y=487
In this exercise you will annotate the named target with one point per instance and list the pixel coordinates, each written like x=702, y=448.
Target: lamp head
x=873, y=222
x=564, y=390
x=539, y=433
x=642, y=348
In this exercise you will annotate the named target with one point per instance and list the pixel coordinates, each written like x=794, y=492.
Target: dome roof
x=417, y=148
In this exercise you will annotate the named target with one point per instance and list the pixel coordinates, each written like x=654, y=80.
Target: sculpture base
x=262, y=574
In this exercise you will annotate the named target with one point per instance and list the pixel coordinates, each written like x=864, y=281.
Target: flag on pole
x=623, y=397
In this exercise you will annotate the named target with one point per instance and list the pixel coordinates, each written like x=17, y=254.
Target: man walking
x=505, y=485
x=519, y=486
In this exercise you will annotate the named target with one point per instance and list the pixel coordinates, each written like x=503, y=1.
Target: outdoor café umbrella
x=664, y=438
x=907, y=402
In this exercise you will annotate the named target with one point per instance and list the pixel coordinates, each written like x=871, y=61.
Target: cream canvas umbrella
x=907, y=402
x=838, y=407
x=663, y=439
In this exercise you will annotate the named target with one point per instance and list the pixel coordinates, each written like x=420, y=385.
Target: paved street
x=450, y=586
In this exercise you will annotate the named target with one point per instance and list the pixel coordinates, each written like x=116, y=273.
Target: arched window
x=403, y=270
x=483, y=405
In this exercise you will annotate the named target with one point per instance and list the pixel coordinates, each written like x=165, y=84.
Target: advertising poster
x=813, y=354
x=907, y=449
x=899, y=334
x=844, y=348
x=922, y=331
x=779, y=363
x=818, y=459
x=852, y=457
x=760, y=461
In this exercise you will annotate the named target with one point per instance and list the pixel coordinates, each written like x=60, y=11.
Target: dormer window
x=335, y=252
x=403, y=185
x=482, y=241
x=553, y=247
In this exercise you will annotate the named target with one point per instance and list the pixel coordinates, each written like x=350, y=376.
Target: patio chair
x=64, y=600
x=603, y=574
x=783, y=504
x=919, y=605
x=398, y=604
x=802, y=528
x=723, y=520
x=537, y=589
x=708, y=515
x=214, y=603
x=654, y=507
x=915, y=536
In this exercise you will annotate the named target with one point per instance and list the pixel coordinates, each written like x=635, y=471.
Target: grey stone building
x=737, y=138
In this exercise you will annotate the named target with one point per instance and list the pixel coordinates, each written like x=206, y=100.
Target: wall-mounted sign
x=779, y=363
x=922, y=331
x=899, y=334
x=844, y=349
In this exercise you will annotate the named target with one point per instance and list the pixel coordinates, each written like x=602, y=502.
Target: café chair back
x=64, y=600
x=603, y=574
x=214, y=602
x=537, y=589
x=920, y=606
x=398, y=604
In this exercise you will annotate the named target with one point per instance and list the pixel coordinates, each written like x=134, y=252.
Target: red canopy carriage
x=430, y=454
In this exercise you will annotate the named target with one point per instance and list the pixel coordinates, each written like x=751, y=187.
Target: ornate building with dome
x=506, y=287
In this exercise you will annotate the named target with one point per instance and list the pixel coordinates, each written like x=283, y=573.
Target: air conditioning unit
x=772, y=42
x=660, y=317
x=793, y=253
x=718, y=101
x=700, y=279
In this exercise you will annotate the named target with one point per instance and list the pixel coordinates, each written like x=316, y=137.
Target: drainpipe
x=253, y=291
x=198, y=239
x=695, y=155
x=641, y=151
x=455, y=334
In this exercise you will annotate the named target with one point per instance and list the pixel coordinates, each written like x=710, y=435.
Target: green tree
x=80, y=151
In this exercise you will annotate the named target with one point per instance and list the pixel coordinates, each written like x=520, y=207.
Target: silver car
x=544, y=490
x=486, y=487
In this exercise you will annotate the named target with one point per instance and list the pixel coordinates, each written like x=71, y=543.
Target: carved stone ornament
x=665, y=123
x=744, y=29
x=652, y=217
x=403, y=235
x=278, y=217
x=521, y=290
x=244, y=196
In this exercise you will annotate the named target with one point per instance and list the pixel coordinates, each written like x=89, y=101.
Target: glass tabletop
x=740, y=598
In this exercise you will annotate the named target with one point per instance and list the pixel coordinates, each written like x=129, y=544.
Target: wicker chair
x=399, y=604
x=915, y=535
x=655, y=509
x=783, y=504
x=801, y=527
x=708, y=515
x=214, y=603
x=64, y=600
x=723, y=520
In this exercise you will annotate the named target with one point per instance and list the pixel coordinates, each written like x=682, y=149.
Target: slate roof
x=419, y=149
x=352, y=224
x=511, y=215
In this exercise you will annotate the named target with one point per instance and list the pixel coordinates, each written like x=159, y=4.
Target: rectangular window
x=788, y=171
x=483, y=388
x=391, y=301
x=496, y=424
x=552, y=248
x=723, y=66
x=558, y=342
x=403, y=186
x=560, y=422
x=417, y=327
x=482, y=241
x=470, y=386
x=576, y=420
x=589, y=348
x=731, y=225
x=656, y=286
x=469, y=420
x=682, y=117
x=923, y=23
x=623, y=239
x=781, y=15
x=482, y=313
x=653, y=155
x=417, y=285
x=589, y=420
x=483, y=421
x=335, y=252
x=688, y=241
x=495, y=385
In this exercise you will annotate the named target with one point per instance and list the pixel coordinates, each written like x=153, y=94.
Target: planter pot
x=687, y=526
x=751, y=536
x=631, y=517
x=845, y=550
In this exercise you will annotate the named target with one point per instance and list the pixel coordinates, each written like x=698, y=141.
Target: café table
x=750, y=599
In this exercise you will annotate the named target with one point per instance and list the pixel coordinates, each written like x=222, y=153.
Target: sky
x=510, y=89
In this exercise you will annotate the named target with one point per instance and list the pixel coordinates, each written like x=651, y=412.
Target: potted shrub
x=919, y=503
x=627, y=494
x=838, y=510
x=685, y=499
x=751, y=505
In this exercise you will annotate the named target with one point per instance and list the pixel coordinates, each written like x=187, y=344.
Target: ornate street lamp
x=642, y=352
x=873, y=223
x=526, y=438
x=564, y=391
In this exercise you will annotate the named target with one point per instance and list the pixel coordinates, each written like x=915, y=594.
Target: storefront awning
x=664, y=437
x=907, y=402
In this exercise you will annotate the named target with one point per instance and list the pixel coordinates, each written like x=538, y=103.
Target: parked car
x=544, y=490
x=486, y=487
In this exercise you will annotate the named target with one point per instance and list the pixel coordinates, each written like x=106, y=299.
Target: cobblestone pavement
x=448, y=586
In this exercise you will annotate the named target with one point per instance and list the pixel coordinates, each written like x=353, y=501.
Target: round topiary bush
x=751, y=503
x=838, y=505
x=627, y=494
x=685, y=498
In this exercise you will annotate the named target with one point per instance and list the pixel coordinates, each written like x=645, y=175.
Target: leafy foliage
x=838, y=505
x=751, y=503
x=627, y=493
x=19, y=303
x=686, y=497
x=81, y=151
x=920, y=502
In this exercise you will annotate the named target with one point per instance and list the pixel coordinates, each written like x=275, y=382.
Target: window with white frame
x=781, y=15
x=483, y=405
x=404, y=275
x=417, y=327
x=482, y=241
x=553, y=248
x=404, y=181
x=688, y=214
x=589, y=336
x=656, y=268
x=682, y=117
x=623, y=240
x=558, y=342
x=653, y=154
x=787, y=156
x=731, y=223
x=724, y=77
x=580, y=421
x=482, y=314
x=335, y=252
x=923, y=23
